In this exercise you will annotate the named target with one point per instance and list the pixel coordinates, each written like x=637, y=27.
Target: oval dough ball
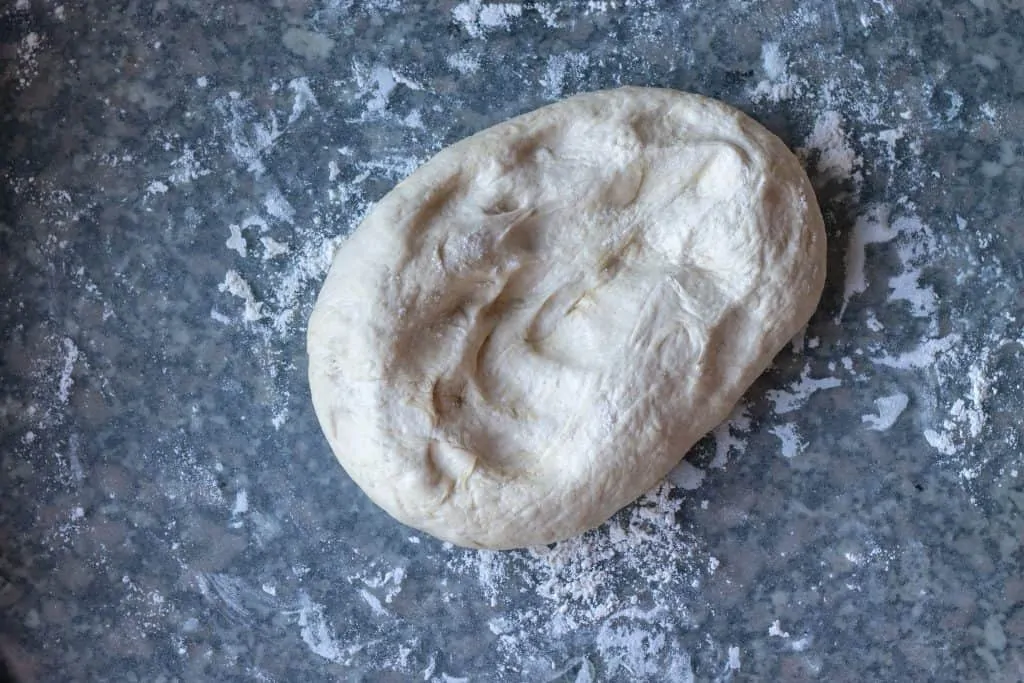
x=533, y=328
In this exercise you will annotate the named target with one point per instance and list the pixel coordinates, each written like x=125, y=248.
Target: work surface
x=175, y=177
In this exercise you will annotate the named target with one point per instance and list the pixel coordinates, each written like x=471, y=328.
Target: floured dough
x=533, y=328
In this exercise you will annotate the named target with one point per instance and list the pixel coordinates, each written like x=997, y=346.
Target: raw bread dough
x=533, y=328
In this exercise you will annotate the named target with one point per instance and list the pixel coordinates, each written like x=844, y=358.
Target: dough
x=533, y=328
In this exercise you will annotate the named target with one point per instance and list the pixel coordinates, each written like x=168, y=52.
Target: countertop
x=175, y=176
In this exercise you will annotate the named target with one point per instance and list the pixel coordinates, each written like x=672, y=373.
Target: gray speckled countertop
x=174, y=176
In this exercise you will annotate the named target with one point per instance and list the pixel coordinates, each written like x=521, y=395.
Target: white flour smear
x=478, y=18
x=778, y=84
x=577, y=585
x=889, y=410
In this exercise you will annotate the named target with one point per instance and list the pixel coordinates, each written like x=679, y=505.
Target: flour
x=66, y=380
x=317, y=632
x=156, y=187
x=477, y=19
x=241, y=505
x=925, y=355
x=236, y=286
x=276, y=206
x=188, y=480
x=907, y=287
x=686, y=476
x=378, y=83
x=146, y=609
x=830, y=145
x=629, y=650
x=798, y=393
x=779, y=84
x=871, y=227
x=303, y=98
x=236, y=242
x=374, y=603
x=734, y=659
x=186, y=168
x=790, y=441
x=250, y=139
x=988, y=112
x=569, y=64
x=966, y=417
x=575, y=585
x=272, y=248
x=463, y=62
x=942, y=442
x=916, y=247
x=28, y=59
x=956, y=103
x=889, y=410
x=548, y=13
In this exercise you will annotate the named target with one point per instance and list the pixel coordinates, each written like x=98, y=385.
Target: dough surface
x=534, y=327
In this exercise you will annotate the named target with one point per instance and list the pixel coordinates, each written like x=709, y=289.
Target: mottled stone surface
x=174, y=176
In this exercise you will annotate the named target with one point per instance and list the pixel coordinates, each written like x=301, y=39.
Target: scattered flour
x=66, y=380
x=27, y=68
x=186, y=168
x=463, y=62
x=303, y=98
x=272, y=248
x=966, y=418
x=889, y=410
x=250, y=140
x=778, y=84
x=871, y=227
x=775, y=630
x=569, y=64
x=316, y=632
x=924, y=356
x=829, y=143
x=478, y=18
x=234, y=284
x=798, y=393
x=378, y=82
x=156, y=187
x=578, y=583
x=276, y=206
x=791, y=442
x=548, y=13
x=236, y=242
x=942, y=442
x=631, y=650
x=241, y=505
x=188, y=481
x=916, y=246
